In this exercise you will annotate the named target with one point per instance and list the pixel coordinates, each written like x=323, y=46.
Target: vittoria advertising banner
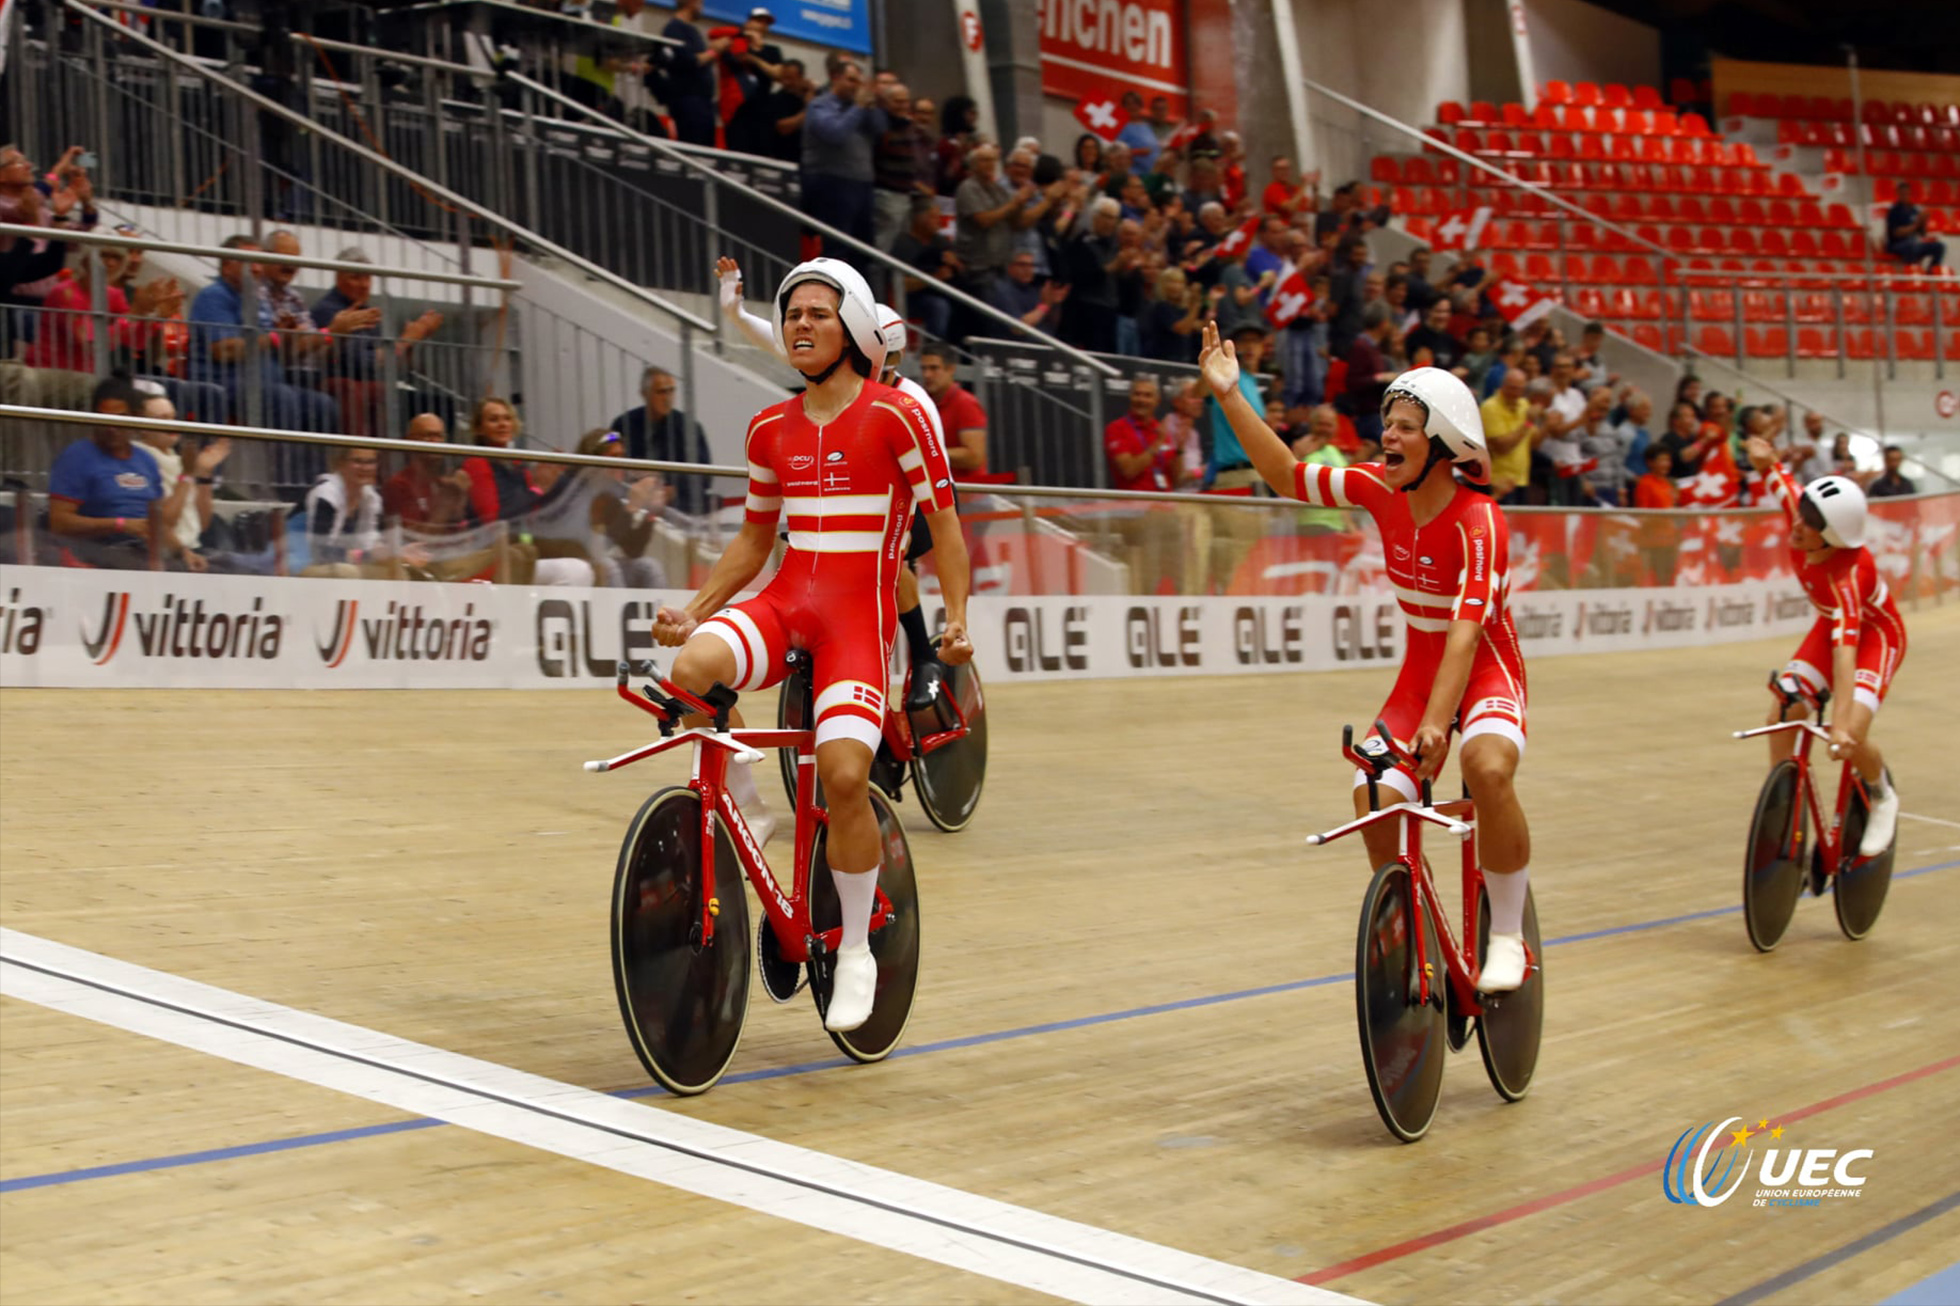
x=102, y=629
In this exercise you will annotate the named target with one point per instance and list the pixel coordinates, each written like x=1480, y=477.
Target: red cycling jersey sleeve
x=1360, y=486
x=1853, y=581
x=765, y=501
x=1784, y=489
x=913, y=440
x=1486, y=546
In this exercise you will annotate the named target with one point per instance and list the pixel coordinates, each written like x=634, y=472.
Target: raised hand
x=1219, y=363
x=1762, y=454
x=672, y=626
x=212, y=456
x=729, y=273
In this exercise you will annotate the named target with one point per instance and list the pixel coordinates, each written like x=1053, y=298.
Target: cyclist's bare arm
x=739, y=564
x=1269, y=454
x=1445, y=693
x=955, y=582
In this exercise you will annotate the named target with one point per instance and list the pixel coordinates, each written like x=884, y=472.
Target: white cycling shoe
x=1503, y=964
x=1881, y=824
x=853, y=987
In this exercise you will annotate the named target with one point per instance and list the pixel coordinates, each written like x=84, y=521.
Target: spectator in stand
x=1162, y=126
x=1037, y=203
x=1421, y=292
x=1444, y=350
x=1206, y=187
x=960, y=414
x=1035, y=302
x=770, y=122
x=687, y=77
x=1089, y=261
x=100, y=488
x=65, y=199
x=1088, y=153
x=65, y=335
x=1348, y=285
x=356, y=351
x=1142, y=456
x=185, y=509
x=1142, y=142
x=1286, y=199
x=585, y=523
x=927, y=251
x=1716, y=415
x=984, y=231
x=1568, y=401
x=901, y=167
x=1638, y=411
x=837, y=142
x=1315, y=445
x=1907, y=237
x=1234, y=531
x=1807, y=456
x=659, y=432
x=1184, y=425
x=501, y=489
x=1688, y=391
x=1239, y=304
x=343, y=523
x=223, y=348
x=1118, y=168
x=1685, y=441
x=1603, y=448
x=1231, y=169
x=422, y=496
x=1132, y=282
x=1171, y=322
x=596, y=79
x=1843, y=461
x=1892, y=482
x=1161, y=181
x=959, y=124
x=1512, y=434
x=1269, y=255
x=1369, y=372
x=1478, y=358
x=1658, y=536
x=1563, y=452
x=1395, y=293
x=1510, y=358
x=1589, y=367
x=762, y=58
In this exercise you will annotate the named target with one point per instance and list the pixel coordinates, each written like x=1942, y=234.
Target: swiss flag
x=1717, y=485
x=1521, y=305
x=1238, y=240
x=1463, y=229
x=1184, y=135
x=1290, y=299
x=1579, y=468
x=1100, y=116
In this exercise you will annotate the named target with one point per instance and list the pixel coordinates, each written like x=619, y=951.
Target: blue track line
x=1857, y=1247
x=300, y=1141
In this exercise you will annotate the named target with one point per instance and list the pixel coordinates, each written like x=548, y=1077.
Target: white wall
x=1400, y=60
x=1573, y=41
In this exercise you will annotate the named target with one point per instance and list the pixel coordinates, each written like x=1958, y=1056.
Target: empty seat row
x=1642, y=120
x=1893, y=163
x=1860, y=344
x=1839, y=135
x=1824, y=108
x=1622, y=147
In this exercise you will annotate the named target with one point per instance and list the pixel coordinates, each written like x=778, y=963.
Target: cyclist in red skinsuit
x=1447, y=552
x=1858, y=641
x=844, y=463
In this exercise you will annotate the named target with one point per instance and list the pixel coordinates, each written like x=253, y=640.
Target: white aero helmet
x=1835, y=507
x=893, y=325
x=857, y=308
x=1452, y=415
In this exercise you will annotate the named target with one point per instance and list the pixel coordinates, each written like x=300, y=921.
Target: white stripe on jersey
x=836, y=505
x=851, y=693
x=757, y=472
x=837, y=541
x=1430, y=625
x=911, y=460
x=756, y=503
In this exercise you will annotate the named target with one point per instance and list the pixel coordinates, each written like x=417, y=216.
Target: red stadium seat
x=1639, y=270
x=1589, y=303
x=1810, y=214
x=1813, y=306
x=1573, y=118
x=1760, y=306
x=1815, y=342
x=1504, y=264
x=1952, y=354
x=1592, y=147
x=1791, y=186
x=1857, y=308
x=1714, y=240
x=1382, y=168
x=1681, y=91
x=1557, y=93
x=1690, y=209
x=1803, y=245
x=1833, y=245
x=1771, y=242
x=1715, y=341
x=1949, y=310
x=1693, y=124
x=1666, y=123
x=1586, y=93
x=1545, y=117
x=1646, y=97
x=1575, y=270
x=1482, y=113
x=1449, y=113
x=1516, y=115
x=1860, y=345
x=1559, y=146
x=1742, y=241
x=1722, y=209
x=1767, y=342
x=1913, y=346
x=1782, y=213
x=1416, y=172
x=1711, y=306
x=1539, y=268
x=1912, y=311
x=1615, y=96
x=1750, y=210
x=1648, y=336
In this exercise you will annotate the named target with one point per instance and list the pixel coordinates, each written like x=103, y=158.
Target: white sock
x=1875, y=789
x=741, y=786
x=857, y=894
x=1507, y=895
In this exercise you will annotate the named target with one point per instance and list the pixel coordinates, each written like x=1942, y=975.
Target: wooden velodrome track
x=1134, y=1011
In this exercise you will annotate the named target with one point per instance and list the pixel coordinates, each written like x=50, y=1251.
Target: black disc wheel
x=1773, y=869
x=782, y=979
x=1858, y=889
x=683, y=1000
x=1508, y=1032
x=948, y=779
x=894, y=945
x=1403, y=1038
x=795, y=710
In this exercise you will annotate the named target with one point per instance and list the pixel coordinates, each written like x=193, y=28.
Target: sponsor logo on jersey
x=834, y=456
x=802, y=462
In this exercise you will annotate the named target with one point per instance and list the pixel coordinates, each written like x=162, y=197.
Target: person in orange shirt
x=1659, y=536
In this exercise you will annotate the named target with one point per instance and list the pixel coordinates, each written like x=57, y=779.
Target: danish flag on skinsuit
x=1239, y=239
x=1521, y=305
x=1100, y=116
x=1460, y=230
x=1290, y=299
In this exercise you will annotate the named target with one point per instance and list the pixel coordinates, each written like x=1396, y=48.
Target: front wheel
x=1858, y=889
x=894, y=945
x=683, y=1001
x=1772, y=869
x=1403, y=1039
x=948, y=779
x=1508, y=1032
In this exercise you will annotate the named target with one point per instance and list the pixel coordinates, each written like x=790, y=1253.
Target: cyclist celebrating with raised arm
x=843, y=465
x=1447, y=552
x=1859, y=639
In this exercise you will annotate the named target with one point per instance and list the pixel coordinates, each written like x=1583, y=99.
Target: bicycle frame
x=714, y=748
x=1849, y=782
x=1410, y=819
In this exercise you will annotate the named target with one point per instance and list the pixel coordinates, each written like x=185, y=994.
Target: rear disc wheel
x=948, y=779
x=1858, y=889
x=1508, y=1032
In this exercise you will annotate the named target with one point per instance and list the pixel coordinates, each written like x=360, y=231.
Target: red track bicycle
x=680, y=919
x=1773, y=870
x=1408, y=1014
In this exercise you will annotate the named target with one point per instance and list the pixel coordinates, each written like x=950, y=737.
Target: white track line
x=1931, y=820
x=968, y=1232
